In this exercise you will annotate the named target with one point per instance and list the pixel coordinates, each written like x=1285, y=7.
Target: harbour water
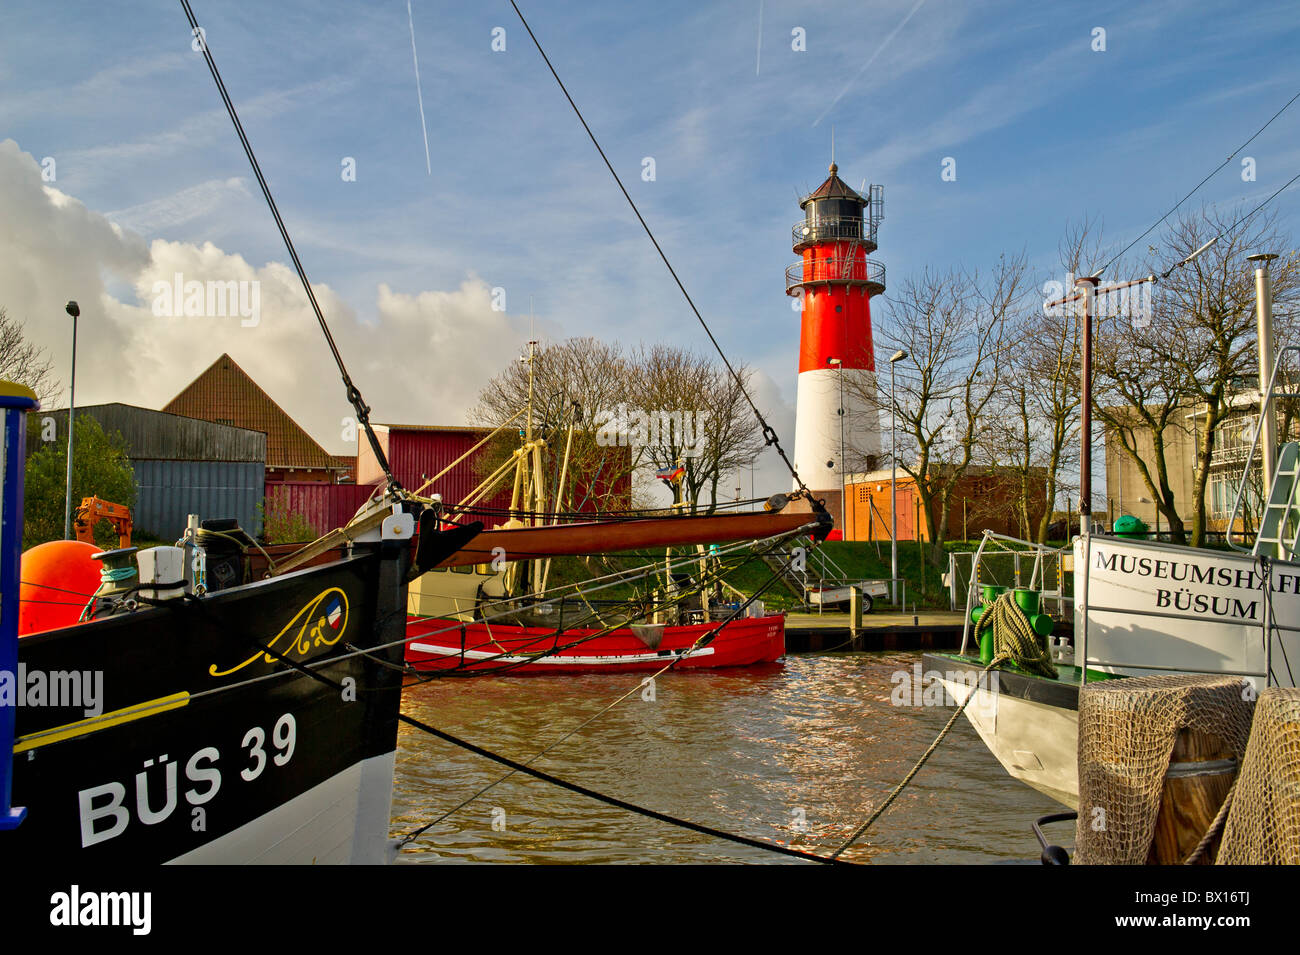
x=798, y=753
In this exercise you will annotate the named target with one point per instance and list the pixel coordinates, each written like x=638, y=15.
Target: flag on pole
x=671, y=473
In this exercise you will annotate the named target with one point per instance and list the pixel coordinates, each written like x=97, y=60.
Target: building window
x=1223, y=494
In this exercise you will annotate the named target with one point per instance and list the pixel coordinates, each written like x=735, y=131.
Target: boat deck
x=1062, y=691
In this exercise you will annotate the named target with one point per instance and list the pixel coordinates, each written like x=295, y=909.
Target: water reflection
x=797, y=753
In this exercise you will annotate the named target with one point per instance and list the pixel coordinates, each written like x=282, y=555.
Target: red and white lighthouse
x=837, y=372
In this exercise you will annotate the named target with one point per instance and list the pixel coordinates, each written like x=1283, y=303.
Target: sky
x=119, y=170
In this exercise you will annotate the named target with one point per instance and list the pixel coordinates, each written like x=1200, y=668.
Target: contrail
x=870, y=60
x=428, y=165
x=758, y=60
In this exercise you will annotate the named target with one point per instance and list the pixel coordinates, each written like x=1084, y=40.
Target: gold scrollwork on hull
x=313, y=629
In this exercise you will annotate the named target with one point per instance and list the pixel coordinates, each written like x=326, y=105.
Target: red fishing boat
x=461, y=617
x=487, y=607
x=485, y=647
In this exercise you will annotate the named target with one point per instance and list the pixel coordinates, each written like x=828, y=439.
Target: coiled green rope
x=1014, y=637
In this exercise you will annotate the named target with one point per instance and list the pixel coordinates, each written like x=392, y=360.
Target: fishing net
x=1263, y=825
x=1127, y=730
x=1013, y=636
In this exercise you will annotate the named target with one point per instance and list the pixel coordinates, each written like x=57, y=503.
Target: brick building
x=983, y=498
x=225, y=394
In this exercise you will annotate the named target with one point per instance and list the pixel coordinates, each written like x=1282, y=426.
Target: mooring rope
x=1014, y=637
x=1215, y=826
x=894, y=793
x=702, y=640
x=1014, y=641
x=564, y=783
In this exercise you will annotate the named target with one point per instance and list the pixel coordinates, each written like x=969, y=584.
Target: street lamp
x=893, y=480
x=74, y=310
x=844, y=503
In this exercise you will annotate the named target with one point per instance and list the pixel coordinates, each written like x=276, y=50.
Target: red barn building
x=418, y=452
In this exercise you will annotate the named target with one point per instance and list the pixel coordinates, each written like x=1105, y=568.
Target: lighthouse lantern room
x=837, y=373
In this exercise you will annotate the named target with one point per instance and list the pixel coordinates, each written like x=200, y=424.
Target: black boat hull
x=206, y=748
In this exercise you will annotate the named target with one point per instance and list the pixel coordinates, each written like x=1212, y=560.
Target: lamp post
x=74, y=310
x=893, y=479
x=838, y=364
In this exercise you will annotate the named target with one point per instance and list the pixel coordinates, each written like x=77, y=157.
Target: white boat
x=1143, y=608
x=1151, y=608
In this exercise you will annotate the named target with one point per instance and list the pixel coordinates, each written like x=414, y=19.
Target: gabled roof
x=226, y=395
x=833, y=188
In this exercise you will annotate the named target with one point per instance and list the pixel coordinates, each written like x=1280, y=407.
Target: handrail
x=1037, y=573
x=835, y=268
x=1265, y=408
x=970, y=589
x=834, y=229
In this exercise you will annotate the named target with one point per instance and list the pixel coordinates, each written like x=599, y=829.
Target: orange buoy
x=56, y=582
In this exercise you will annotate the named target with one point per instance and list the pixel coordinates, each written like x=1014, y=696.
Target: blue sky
x=1043, y=129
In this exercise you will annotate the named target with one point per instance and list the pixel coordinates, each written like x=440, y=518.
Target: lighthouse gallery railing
x=835, y=268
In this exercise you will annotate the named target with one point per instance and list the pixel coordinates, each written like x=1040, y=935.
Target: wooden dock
x=881, y=630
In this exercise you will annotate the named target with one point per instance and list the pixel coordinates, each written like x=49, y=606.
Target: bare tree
x=572, y=381
x=953, y=327
x=658, y=407
x=23, y=362
x=1035, y=433
x=1210, y=305
x=1183, y=365
x=717, y=433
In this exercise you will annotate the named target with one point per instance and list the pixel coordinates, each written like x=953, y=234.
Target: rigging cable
x=564, y=783
x=354, y=394
x=769, y=433
x=703, y=640
x=476, y=669
x=894, y=793
x=1203, y=182
x=155, y=707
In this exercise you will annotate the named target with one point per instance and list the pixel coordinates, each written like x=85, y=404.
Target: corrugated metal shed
x=417, y=451
x=323, y=506
x=182, y=465
x=168, y=491
x=158, y=434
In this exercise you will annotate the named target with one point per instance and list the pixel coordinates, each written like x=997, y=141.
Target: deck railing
x=850, y=270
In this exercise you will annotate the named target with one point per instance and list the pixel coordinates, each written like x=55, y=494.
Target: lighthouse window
x=839, y=308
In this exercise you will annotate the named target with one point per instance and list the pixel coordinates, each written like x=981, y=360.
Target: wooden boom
x=595, y=537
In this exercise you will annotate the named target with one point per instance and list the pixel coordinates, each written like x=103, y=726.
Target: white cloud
x=424, y=360
x=182, y=206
